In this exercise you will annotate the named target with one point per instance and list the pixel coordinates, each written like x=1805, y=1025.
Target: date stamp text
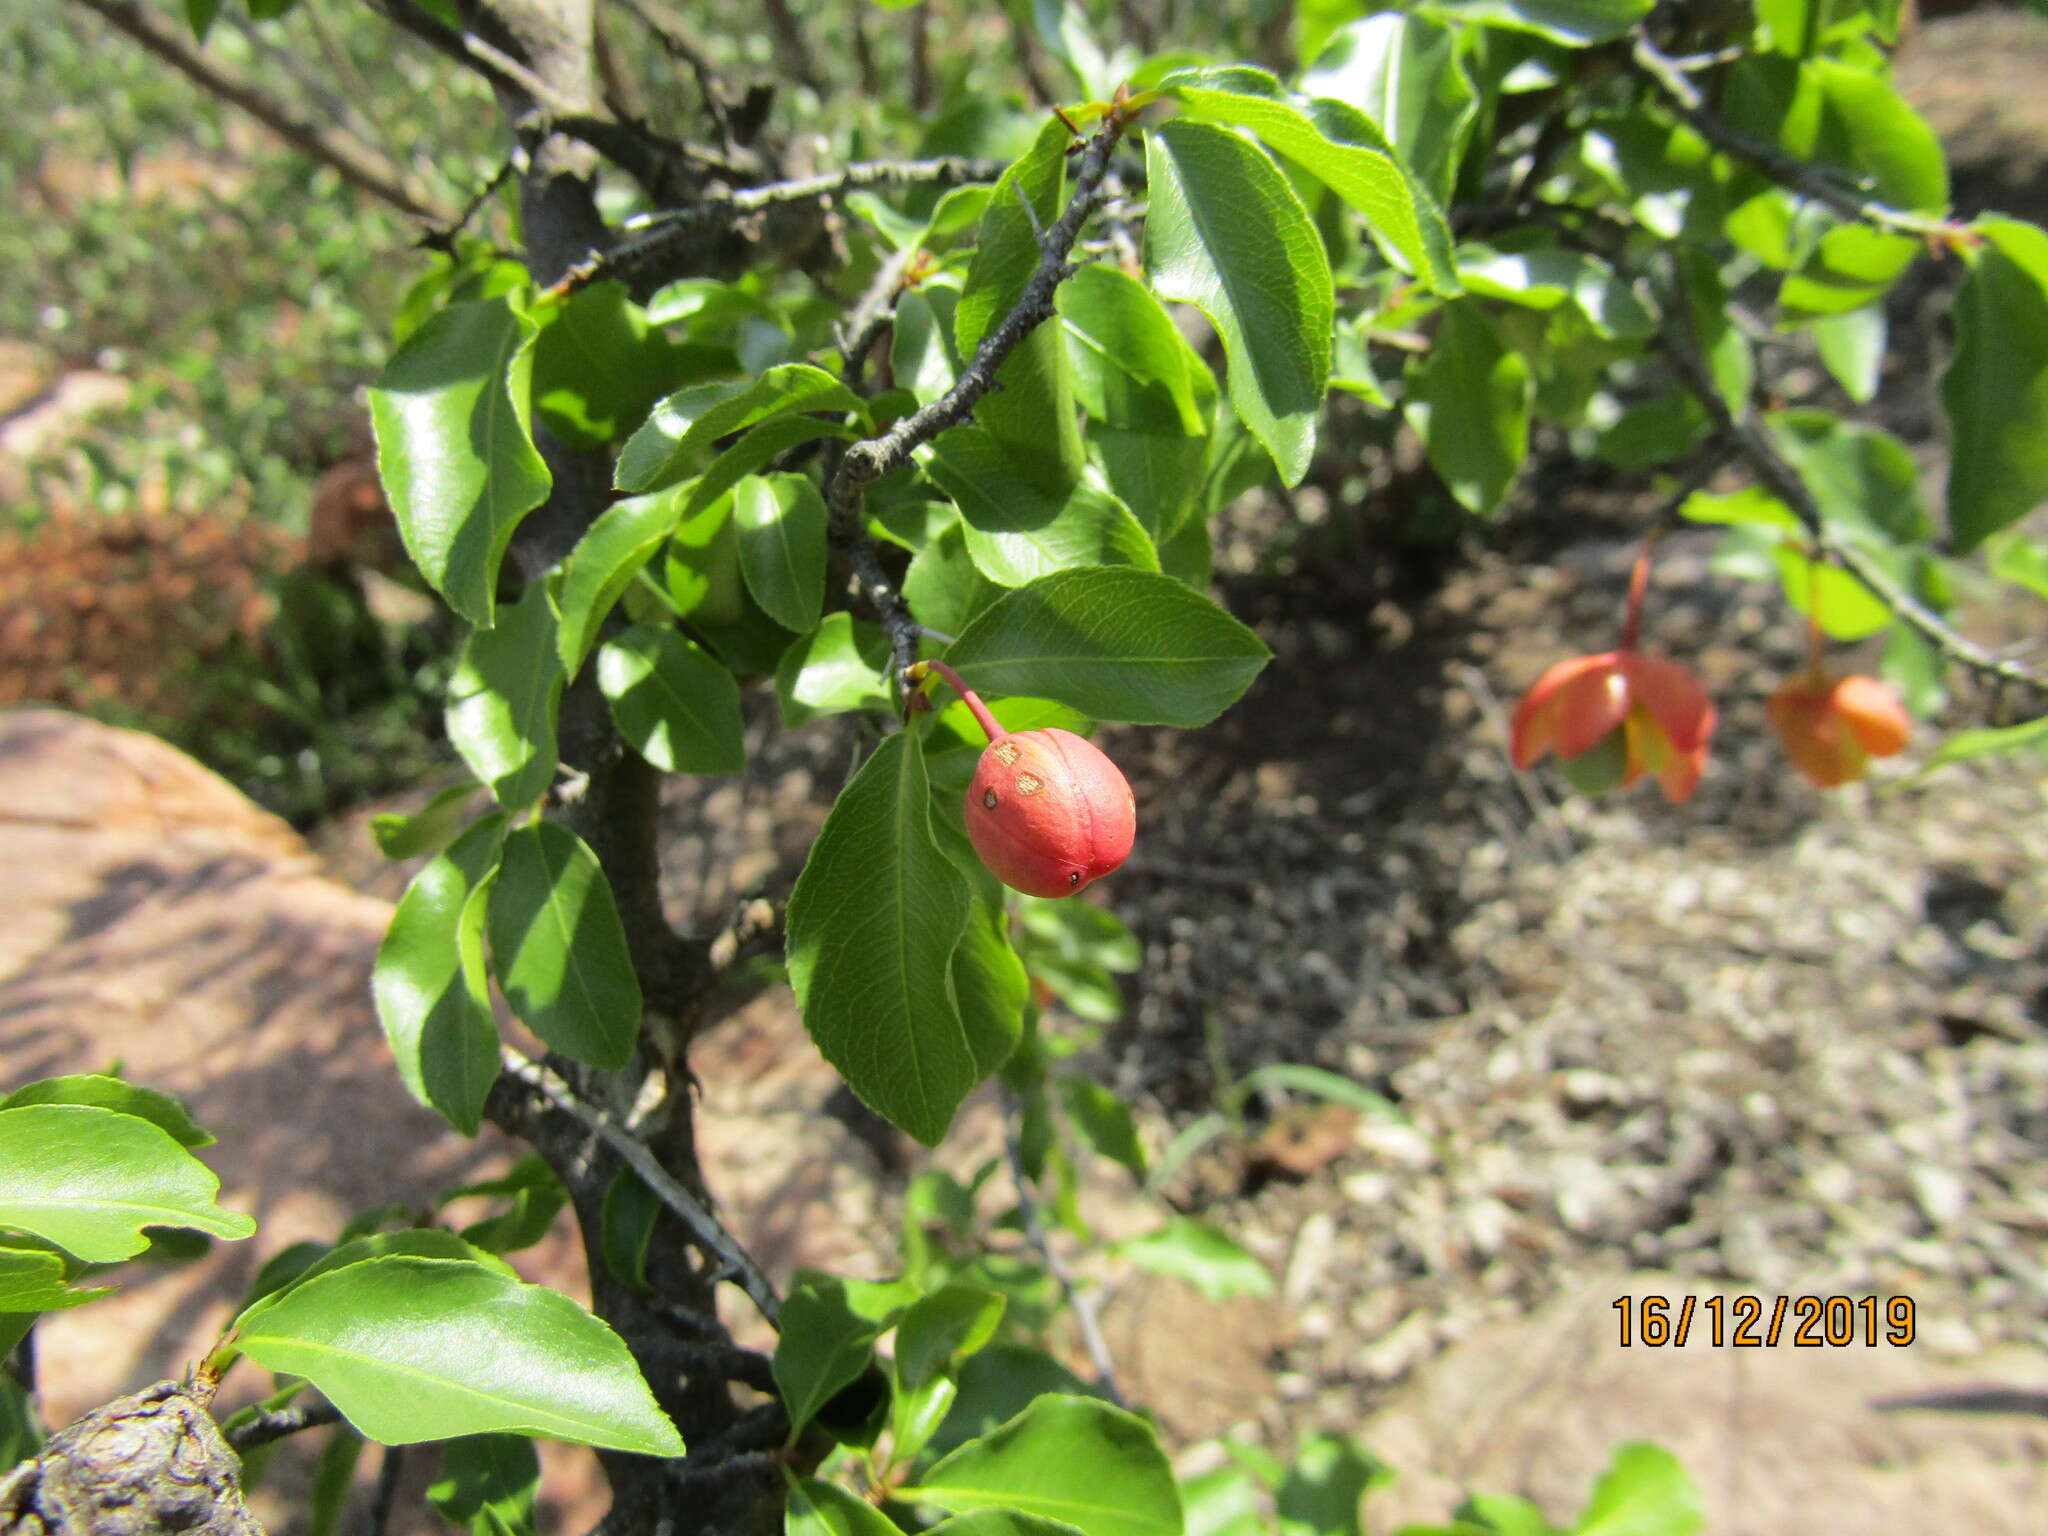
x=1762, y=1322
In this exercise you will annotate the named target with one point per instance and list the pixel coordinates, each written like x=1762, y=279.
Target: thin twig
x=1809, y=180
x=1078, y=1300
x=869, y=460
x=276, y=1423
x=444, y=239
x=386, y=1496
x=871, y=315
x=357, y=164
x=658, y=233
x=704, y=1226
x=1753, y=443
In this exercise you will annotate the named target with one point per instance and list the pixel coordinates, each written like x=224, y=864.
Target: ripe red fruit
x=1048, y=813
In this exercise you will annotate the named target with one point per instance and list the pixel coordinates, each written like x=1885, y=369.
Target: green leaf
x=1403, y=72
x=1132, y=367
x=535, y=1197
x=1469, y=402
x=944, y=587
x=1227, y=234
x=598, y=366
x=1063, y=27
x=1114, y=643
x=682, y=429
x=1081, y=930
x=1995, y=393
x=755, y=451
x=630, y=1212
x=1157, y=475
x=1506, y=1514
x=34, y=1280
x=1848, y=609
x=1842, y=115
x=1104, y=1121
x=159, y=1109
x=2014, y=557
x=487, y=1482
x=873, y=923
x=827, y=1339
x=21, y=1433
x=1912, y=669
x=1223, y=1502
x=837, y=667
x=1654, y=431
x=1864, y=479
x=923, y=356
x=996, y=1385
x=1849, y=268
x=1032, y=413
x=676, y=704
x=429, y=829
x=90, y=1179
x=199, y=15
x=1299, y=1077
x=1071, y=1459
x=1015, y=531
x=455, y=447
x=430, y=983
x=781, y=522
x=603, y=563
x=411, y=1243
x=503, y=698
x=1575, y=23
x=943, y=1329
x=818, y=1508
x=1201, y=1254
x=1322, y=1491
x=1990, y=740
x=558, y=950
x=702, y=572
x=1342, y=148
x=414, y=1349
x=1852, y=348
x=1643, y=1492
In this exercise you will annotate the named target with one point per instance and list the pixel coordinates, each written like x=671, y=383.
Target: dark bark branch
x=661, y=234
x=358, y=165
x=1809, y=180
x=276, y=1423
x=703, y=1226
x=1753, y=443
x=867, y=461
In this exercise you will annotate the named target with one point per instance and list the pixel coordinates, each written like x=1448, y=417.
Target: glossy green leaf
x=781, y=521
x=818, y=1508
x=503, y=699
x=1104, y=1121
x=34, y=1280
x=1114, y=643
x=942, y=1329
x=430, y=982
x=1132, y=367
x=533, y=1196
x=1995, y=393
x=1990, y=740
x=826, y=1339
x=1032, y=412
x=603, y=564
x=558, y=950
x=1322, y=1491
x=1227, y=234
x=675, y=704
x=411, y=1242
x=756, y=450
x=1643, y=1492
x=1158, y=475
x=923, y=356
x=1201, y=1254
x=996, y=1385
x=1071, y=1459
x=1843, y=115
x=1469, y=401
x=631, y=1210
x=90, y=1179
x=1852, y=348
x=159, y=1109
x=455, y=447
x=1015, y=531
x=1849, y=268
x=1403, y=72
x=836, y=667
x=1575, y=23
x=429, y=829
x=944, y=587
x=873, y=923
x=488, y=1483
x=1342, y=148
x=678, y=436
x=598, y=366
x=414, y=1349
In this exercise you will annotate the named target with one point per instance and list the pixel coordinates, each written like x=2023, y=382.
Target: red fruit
x=1049, y=813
